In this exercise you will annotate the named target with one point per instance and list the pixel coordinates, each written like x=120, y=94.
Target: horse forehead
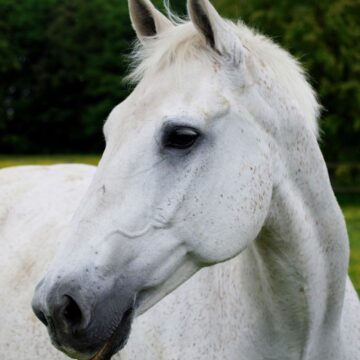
x=192, y=83
x=196, y=91
x=190, y=101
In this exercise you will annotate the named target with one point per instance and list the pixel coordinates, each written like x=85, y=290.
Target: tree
x=62, y=65
x=325, y=37
x=61, y=72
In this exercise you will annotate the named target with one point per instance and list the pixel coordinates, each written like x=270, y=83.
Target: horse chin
x=118, y=339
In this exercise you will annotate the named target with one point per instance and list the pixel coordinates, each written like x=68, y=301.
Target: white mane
x=176, y=45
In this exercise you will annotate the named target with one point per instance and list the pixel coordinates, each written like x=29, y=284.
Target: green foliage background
x=62, y=64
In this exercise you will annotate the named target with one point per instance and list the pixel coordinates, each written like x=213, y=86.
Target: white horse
x=212, y=177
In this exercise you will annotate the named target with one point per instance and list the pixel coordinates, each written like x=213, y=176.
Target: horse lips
x=118, y=339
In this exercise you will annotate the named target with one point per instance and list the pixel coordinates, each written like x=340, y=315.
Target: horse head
x=185, y=180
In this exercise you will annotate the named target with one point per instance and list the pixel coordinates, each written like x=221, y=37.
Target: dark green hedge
x=62, y=63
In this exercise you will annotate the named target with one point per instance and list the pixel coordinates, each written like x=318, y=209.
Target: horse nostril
x=41, y=316
x=38, y=310
x=71, y=312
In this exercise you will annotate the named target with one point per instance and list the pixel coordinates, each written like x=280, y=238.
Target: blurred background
x=62, y=64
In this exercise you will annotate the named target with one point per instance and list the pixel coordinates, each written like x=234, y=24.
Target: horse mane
x=178, y=44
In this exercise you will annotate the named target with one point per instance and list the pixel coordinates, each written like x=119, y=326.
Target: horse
x=209, y=229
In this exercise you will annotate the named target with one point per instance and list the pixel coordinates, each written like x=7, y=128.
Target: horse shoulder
x=35, y=203
x=351, y=322
x=204, y=318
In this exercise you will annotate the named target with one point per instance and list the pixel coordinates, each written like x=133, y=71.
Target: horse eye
x=180, y=137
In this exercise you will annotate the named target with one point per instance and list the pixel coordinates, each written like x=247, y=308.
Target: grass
x=13, y=160
x=350, y=203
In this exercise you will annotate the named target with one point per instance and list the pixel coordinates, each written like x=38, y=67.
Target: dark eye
x=180, y=137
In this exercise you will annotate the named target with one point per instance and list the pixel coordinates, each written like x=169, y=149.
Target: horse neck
x=302, y=252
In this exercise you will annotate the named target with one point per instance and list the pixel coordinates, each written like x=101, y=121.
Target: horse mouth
x=118, y=339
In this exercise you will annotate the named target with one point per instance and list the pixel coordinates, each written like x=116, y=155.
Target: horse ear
x=146, y=20
x=216, y=31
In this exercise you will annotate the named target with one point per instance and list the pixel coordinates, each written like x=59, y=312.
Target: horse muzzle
x=83, y=324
